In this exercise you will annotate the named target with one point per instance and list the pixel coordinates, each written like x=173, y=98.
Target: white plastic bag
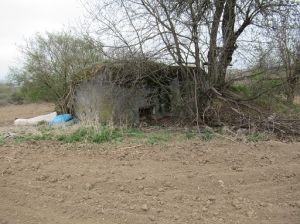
x=35, y=120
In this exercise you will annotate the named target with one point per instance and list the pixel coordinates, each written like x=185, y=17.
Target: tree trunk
x=213, y=53
x=290, y=94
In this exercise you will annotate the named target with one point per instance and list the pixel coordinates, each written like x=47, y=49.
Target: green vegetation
x=240, y=88
x=260, y=85
x=158, y=137
x=2, y=140
x=189, y=134
x=207, y=134
x=51, y=64
x=98, y=135
x=83, y=134
x=105, y=133
x=55, y=62
x=256, y=137
x=268, y=94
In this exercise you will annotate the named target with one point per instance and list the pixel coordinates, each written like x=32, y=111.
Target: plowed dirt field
x=187, y=181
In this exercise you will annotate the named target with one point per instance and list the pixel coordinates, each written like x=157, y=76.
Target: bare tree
x=281, y=51
x=199, y=33
x=286, y=36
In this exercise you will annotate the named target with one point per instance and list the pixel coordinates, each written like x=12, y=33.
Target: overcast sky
x=20, y=19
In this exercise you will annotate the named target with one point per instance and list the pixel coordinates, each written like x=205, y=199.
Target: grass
x=158, y=137
x=84, y=134
x=273, y=100
x=255, y=137
x=2, y=140
x=92, y=135
x=103, y=134
x=240, y=88
x=189, y=134
x=207, y=134
x=99, y=134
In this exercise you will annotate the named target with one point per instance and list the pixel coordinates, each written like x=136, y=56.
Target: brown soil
x=179, y=182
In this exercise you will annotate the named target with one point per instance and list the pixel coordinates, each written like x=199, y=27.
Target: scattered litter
x=51, y=119
x=62, y=118
x=12, y=135
x=35, y=120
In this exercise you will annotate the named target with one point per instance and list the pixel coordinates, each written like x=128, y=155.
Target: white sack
x=35, y=120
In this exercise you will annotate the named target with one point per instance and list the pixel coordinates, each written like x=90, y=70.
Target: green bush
x=52, y=63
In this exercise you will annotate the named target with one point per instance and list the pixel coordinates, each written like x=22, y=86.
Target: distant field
x=9, y=113
x=6, y=92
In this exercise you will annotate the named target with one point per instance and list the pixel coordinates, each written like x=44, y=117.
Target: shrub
x=52, y=62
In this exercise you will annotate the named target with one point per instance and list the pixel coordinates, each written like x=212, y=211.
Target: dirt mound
x=180, y=182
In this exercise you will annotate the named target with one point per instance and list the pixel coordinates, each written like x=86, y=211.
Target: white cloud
x=21, y=19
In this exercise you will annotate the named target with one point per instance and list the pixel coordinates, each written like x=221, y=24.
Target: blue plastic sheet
x=61, y=118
